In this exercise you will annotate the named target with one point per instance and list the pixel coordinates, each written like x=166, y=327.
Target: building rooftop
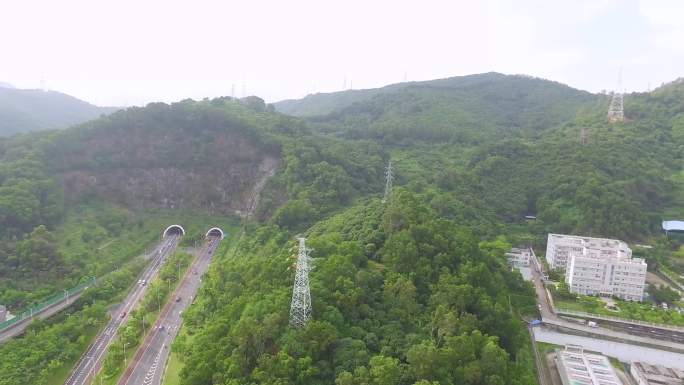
x=576, y=367
x=648, y=374
x=673, y=225
x=593, y=247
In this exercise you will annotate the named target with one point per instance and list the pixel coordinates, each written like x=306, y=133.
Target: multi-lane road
x=91, y=361
x=147, y=366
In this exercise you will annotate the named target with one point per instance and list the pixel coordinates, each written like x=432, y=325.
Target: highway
x=91, y=361
x=147, y=366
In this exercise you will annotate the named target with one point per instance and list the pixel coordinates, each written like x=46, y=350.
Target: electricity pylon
x=300, y=308
x=388, y=182
x=584, y=136
x=616, y=112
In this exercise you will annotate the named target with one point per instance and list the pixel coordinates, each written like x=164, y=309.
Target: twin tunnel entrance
x=178, y=230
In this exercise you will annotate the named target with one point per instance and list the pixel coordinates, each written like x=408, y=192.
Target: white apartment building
x=560, y=247
x=598, y=266
x=519, y=257
x=576, y=367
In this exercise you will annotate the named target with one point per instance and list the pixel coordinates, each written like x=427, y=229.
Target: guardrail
x=51, y=301
x=619, y=319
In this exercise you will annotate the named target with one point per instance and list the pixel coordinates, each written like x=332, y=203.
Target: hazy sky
x=124, y=52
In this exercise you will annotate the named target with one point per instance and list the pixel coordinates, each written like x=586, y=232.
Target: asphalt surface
x=91, y=361
x=147, y=366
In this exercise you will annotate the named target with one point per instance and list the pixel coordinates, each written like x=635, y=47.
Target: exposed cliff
x=212, y=155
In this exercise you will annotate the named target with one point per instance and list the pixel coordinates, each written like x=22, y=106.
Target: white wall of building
x=597, y=266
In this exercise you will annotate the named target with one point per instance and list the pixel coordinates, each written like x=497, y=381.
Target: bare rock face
x=163, y=161
x=225, y=189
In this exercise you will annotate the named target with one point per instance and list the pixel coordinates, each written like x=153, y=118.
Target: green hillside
x=412, y=291
x=473, y=108
x=33, y=110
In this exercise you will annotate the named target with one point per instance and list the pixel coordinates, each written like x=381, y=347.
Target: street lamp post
x=124, y=346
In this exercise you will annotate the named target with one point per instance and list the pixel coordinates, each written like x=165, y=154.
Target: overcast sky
x=125, y=52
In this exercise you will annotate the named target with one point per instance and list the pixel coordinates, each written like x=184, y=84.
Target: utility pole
x=300, y=308
x=388, y=182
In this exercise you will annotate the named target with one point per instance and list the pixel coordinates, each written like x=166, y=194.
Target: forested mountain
x=412, y=291
x=33, y=110
x=472, y=108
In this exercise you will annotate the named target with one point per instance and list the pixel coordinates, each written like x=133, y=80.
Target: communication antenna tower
x=388, y=182
x=616, y=109
x=300, y=308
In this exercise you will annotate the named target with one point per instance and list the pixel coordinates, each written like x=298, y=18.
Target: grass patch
x=60, y=375
x=173, y=369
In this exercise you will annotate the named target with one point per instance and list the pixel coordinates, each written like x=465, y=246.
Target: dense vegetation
x=50, y=348
x=411, y=291
x=61, y=191
x=467, y=109
x=32, y=110
x=400, y=295
x=518, y=152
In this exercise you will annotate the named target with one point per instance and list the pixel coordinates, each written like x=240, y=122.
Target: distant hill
x=465, y=108
x=33, y=110
x=5, y=85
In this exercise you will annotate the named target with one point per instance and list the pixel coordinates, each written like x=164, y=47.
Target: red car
x=123, y=314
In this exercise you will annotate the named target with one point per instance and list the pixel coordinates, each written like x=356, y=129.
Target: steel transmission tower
x=584, y=136
x=300, y=308
x=616, y=112
x=388, y=182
